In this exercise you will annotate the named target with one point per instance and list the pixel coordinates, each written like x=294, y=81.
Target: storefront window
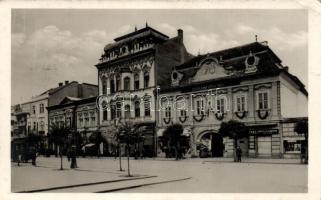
x=292, y=146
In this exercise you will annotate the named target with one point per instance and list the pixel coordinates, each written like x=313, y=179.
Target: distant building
x=246, y=83
x=128, y=73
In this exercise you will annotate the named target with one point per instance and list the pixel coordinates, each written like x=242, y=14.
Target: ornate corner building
x=128, y=73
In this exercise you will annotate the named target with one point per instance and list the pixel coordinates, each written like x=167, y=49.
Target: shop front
x=264, y=142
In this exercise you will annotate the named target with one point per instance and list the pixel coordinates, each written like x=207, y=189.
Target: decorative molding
x=182, y=119
x=240, y=89
x=251, y=63
x=167, y=120
x=199, y=119
x=262, y=114
x=219, y=115
x=241, y=114
x=263, y=85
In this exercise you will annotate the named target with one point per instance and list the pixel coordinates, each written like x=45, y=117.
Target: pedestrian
x=73, y=157
x=19, y=157
x=239, y=154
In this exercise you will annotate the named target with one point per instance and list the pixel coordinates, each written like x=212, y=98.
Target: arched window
x=118, y=85
x=127, y=83
x=105, y=114
x=147, y=105
x=146, y=79
x=127, y=111
x=136, y=81
x=137, y=109
x=118, y=109
x=112, y=112
x=104, y=86
x=112, y=86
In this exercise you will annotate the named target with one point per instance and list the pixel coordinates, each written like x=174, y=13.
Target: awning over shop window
x=87, y=145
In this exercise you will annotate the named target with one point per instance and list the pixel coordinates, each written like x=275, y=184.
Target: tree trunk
x=119, y=153
x=234, y=149
x=60, y=153
x=128, y=167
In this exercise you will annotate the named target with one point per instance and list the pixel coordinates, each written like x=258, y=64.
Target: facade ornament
x=241, y=114
x=263, y=114
x=219, y=115
x=251, y=63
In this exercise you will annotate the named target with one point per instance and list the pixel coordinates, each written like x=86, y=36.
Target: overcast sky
x=50, y=46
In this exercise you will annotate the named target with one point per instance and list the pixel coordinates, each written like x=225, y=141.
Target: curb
x=84, y=184
x=142, y=185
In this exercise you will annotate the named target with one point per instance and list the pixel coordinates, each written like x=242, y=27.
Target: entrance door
x=217, y=145
x=264, y=145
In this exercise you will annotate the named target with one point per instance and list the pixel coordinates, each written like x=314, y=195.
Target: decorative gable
x=209, y=68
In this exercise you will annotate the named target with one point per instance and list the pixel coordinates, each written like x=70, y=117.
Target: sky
x=53, y=45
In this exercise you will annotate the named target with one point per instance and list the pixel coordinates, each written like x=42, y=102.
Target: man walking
x=239, y=154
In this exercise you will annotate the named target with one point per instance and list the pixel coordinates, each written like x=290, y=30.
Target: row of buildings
x=151, y=79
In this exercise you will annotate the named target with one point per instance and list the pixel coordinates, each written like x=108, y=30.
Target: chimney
x=60, y=84
x=66, y=82
x=286, y=68
x=180, y=34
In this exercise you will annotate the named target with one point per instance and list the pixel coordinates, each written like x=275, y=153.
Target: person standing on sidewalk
x=239, y=154
x=73, y=157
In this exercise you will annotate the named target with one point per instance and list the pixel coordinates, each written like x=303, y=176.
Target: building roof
x=141, y=32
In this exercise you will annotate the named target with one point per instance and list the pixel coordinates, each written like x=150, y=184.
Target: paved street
x=161, y=175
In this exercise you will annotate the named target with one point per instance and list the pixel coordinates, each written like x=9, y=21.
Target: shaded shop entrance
x=264, y=142
x=211, y=145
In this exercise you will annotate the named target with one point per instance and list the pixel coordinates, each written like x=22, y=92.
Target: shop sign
x=264, y=132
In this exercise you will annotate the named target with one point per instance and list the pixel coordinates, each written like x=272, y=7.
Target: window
x=34, y=109
x=200, y=107
x=118, y=109
x=113, y=112
x=86, y=120
x=147, y=107
x=146, y=79
x=127, y=111
x=136, y=81
x=137, y=109
x=81, y=121
x=93, y=120
x=118, y=85
x=240, y=103
x=220, y=105
x=41, y=108
x=168, y=112
x=112, y=86
x=263, y=102
x=104, y=85
x=105, y=114
x=183, y=113
x=126, y=83
x=34, y=126
x=292, y=146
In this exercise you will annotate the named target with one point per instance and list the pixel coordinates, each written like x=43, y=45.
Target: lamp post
x=119, y=147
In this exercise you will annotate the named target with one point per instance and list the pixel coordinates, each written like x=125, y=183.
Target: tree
x=58, y=134
x=234, y=130
x=128, y=134
x=302, y=127
x=172, y=135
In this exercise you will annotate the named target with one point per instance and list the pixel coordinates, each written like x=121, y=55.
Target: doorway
x=217, y=145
